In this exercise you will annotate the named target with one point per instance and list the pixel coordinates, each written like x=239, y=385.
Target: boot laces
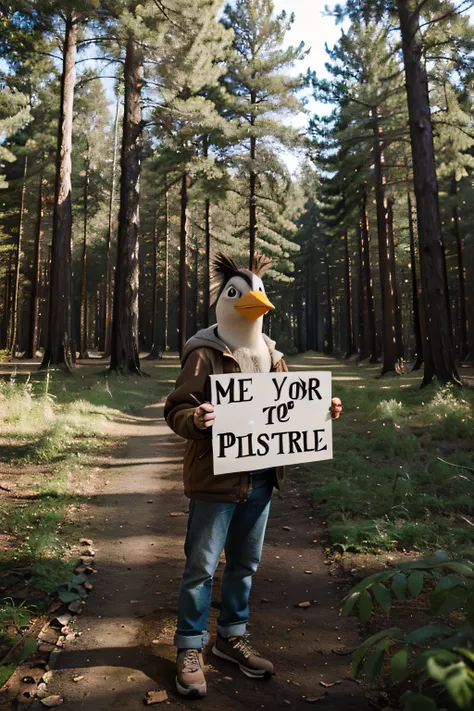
x=243, y=645
x=191, y=662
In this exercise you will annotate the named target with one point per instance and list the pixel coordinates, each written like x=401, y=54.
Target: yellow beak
x=253, y=304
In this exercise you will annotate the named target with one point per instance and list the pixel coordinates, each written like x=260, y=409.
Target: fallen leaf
x=52, y=701
x=155, y=641
x=156, y=697
x=286, y=528
x=304, y=604
x=78, y=678
x=227, y=678
x=314, y=699
x=87, y=586
x=85, y=542
x=326, y=684
x=177, y=513
x=264, y=599
x=308, y=572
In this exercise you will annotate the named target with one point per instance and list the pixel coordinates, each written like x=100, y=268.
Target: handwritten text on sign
x=270, y=419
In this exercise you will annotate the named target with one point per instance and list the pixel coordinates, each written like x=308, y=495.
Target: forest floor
x=116, y=480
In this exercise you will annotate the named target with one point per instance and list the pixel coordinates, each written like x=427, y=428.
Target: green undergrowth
x=51, y=428
x=392, y=483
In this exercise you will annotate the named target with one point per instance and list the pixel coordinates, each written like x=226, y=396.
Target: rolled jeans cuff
x=237, y=630
x=195, y=641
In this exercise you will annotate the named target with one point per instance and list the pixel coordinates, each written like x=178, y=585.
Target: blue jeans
x=239, y=529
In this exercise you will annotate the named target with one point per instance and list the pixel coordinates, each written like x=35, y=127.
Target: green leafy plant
x=438, y=655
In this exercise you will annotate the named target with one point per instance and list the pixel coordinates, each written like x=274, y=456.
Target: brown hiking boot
x=240, y=651
x=190, y=679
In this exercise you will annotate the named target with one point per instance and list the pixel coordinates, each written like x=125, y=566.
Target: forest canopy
x=138, y=139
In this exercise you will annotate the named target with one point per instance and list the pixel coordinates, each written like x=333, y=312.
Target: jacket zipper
x=201, y=456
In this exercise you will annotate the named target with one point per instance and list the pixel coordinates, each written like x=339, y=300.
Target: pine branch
x=451, y=13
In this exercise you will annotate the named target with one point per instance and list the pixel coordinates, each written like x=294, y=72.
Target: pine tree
x=262, y=95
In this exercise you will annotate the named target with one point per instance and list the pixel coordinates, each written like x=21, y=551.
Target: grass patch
x=387, y=487
x=51, y=428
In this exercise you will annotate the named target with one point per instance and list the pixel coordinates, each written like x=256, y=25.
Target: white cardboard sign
x=270, y=419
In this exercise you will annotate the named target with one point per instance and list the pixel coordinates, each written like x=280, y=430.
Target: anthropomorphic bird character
x=240, y=307
x=227, y=511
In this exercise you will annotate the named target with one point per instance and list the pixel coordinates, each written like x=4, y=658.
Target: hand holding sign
x=336, y=408
x=204, y=416
x=271, y=419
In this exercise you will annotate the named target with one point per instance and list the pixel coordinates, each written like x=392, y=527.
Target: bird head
x=240, y=292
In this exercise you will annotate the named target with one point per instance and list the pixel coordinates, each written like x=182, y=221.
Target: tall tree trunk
x=253, y=184
x=16, y=285
x=110, y=230
x=155, y=351
x=440, y=361
x=195, y=285
x=124, y=356
x=5, y=325
x=207, y=285
x=350, y=347
x=363, y=311
x=60, y=347
x=370, y=328
x=396, y=288
x=167, y=260
x=415, y=290
x=36, y=274
x=463, y=320
x=328, y=335
x=183, y=262
x=83, y=318
x=386, y=276
x=207, y=230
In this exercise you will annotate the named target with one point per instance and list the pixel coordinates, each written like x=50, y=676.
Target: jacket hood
x=208, y=338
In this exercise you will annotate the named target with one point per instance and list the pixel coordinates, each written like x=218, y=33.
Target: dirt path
x=125, y=647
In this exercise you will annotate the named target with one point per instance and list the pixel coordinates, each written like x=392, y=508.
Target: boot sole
x=195, y=691
x=252, y=673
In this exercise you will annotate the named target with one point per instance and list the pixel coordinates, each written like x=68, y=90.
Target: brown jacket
x=205, y=354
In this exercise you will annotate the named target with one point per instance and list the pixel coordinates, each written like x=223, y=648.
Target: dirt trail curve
x=125, y=648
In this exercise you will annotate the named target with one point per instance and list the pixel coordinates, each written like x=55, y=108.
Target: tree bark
x=253, y=184
x=370, y=328
x=386, y=276
x=396, y=288
x=108, y=269
x=5, y=325
x=207, y=285
x=439, y=360
x=60, y=347
x=83, y=317
x=463, y=320
x=36, y=274
x=124, y=356
x=329, y=335
x=167, y=247
x=415, y=290
x=155, y=351
x=350, y=347
x=183, y=263
x=16, y=285
x=207, y=230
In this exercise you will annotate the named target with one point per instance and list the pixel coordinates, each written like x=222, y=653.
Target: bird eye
x=232, y=292
x=260, y=288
